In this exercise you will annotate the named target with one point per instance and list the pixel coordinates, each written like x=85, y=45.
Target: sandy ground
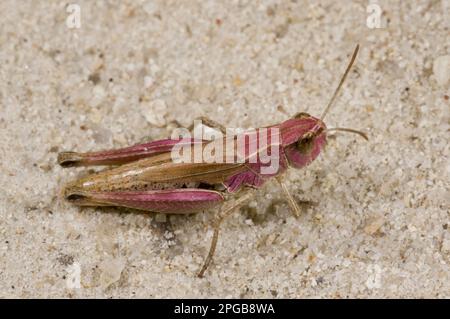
x=381, y=223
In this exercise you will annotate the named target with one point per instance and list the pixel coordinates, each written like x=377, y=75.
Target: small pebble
x=111, y=271
x=441, y=69
x=154, y=112
x=374, y=225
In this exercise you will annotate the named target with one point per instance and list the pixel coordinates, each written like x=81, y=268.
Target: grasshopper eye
x=305, y=145
x=301, y=115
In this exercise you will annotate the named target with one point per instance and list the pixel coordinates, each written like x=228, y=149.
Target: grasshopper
x=147, y=177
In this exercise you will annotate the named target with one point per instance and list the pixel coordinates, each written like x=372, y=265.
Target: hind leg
x=169, y=201
x=122, y=155
x=227, y=212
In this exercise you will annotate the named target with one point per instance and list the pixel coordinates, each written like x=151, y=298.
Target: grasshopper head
x=304, y=137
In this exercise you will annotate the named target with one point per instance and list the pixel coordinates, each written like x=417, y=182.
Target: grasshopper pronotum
x=149, y=178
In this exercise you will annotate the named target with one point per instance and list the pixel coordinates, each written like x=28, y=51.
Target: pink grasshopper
x=149, y=179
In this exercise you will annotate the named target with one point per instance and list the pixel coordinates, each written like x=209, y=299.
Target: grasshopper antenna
x=349, y=130
x=333, y=98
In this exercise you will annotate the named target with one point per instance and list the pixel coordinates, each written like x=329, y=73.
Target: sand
x=379, y=223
